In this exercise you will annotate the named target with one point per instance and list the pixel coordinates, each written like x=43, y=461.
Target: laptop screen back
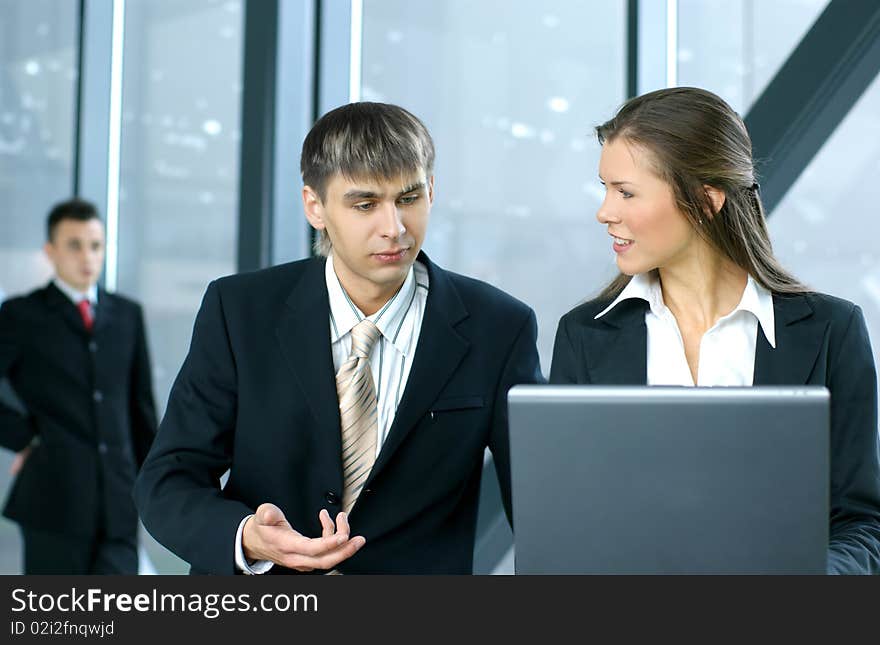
x=669, y=480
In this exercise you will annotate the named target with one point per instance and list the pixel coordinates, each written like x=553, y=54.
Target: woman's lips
x=621, y=245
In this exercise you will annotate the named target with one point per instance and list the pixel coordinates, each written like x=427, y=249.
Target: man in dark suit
x=391, y=446
x=77, y=358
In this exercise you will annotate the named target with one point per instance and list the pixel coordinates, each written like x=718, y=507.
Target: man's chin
x=392, y=273
x=79, y=283
x=389, y=276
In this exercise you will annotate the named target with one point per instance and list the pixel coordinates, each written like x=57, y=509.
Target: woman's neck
x=701, y=289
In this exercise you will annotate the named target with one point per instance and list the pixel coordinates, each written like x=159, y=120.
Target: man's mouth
x=392, y=255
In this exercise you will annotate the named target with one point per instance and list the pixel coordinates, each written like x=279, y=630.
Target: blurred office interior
x=183, y=121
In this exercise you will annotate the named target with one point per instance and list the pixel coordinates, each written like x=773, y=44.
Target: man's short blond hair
x=364, y=140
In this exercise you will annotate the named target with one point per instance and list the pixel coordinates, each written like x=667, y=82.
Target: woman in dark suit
x=701, y=300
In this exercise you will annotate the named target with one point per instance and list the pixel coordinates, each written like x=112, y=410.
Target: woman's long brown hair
x=694, y=139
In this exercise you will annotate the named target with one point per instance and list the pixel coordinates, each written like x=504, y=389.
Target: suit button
x=98, y=396
x=331, y=497
x=102, y=448
x=93, y=347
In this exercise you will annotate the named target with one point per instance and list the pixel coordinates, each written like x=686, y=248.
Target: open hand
x=268, y=536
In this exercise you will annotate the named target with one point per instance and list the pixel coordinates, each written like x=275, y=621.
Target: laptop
x=669, y=480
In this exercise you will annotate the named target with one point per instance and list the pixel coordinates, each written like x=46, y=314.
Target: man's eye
x=364, y=206
x=408, y=199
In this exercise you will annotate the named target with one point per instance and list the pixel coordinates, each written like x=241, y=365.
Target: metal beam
x=98, y=114
x=77, y=142
x=632, y=48
x=256, y=170
x=93, y=102
x=812, y=93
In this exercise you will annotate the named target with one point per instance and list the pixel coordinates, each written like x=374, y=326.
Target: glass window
x=38, y=74
x=38, y=62
x=510, y=93
x=824, y=228
x=735, y=47
x=178, y=210
x=738, y=62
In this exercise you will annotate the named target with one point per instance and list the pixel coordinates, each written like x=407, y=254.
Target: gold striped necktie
x=358, y=412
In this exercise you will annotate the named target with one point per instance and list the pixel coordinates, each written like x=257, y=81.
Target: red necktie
x=85, y=310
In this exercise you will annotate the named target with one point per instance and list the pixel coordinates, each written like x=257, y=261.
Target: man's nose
x=392, y=222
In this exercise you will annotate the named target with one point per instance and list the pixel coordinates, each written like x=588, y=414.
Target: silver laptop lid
x=630, y=479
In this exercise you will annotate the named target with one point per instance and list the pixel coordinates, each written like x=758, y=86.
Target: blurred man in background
x=77, y=358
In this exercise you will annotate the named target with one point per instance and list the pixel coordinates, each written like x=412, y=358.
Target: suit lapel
x=65, y=309
x=799, y=338
x=303, y=332
x=617, y=353
x=104, y=311
x=440, y=350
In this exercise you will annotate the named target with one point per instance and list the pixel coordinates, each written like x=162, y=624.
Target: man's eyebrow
x=412, y=188
x=356, y=194
x=360, y=194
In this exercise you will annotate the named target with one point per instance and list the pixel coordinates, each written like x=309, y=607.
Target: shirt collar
x=643, y=286
x=76, y=295
x=344, y=314
x=755, y=299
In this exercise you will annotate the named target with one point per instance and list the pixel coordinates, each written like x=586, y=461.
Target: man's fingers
x=270, y=515
x=326, y=523
x=328, y=560
x=313, y=547
x=294, y=550
x=342, y=527
x=340, y=554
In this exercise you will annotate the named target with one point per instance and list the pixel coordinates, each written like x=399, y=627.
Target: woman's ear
x=716, y=197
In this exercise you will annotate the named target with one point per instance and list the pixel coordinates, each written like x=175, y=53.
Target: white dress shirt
x=75, y=295
x=399, y=320
x=727, y=349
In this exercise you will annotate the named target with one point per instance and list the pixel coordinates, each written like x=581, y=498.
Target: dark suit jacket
x=820, y=340
x=90, y=405
x=256, y=395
